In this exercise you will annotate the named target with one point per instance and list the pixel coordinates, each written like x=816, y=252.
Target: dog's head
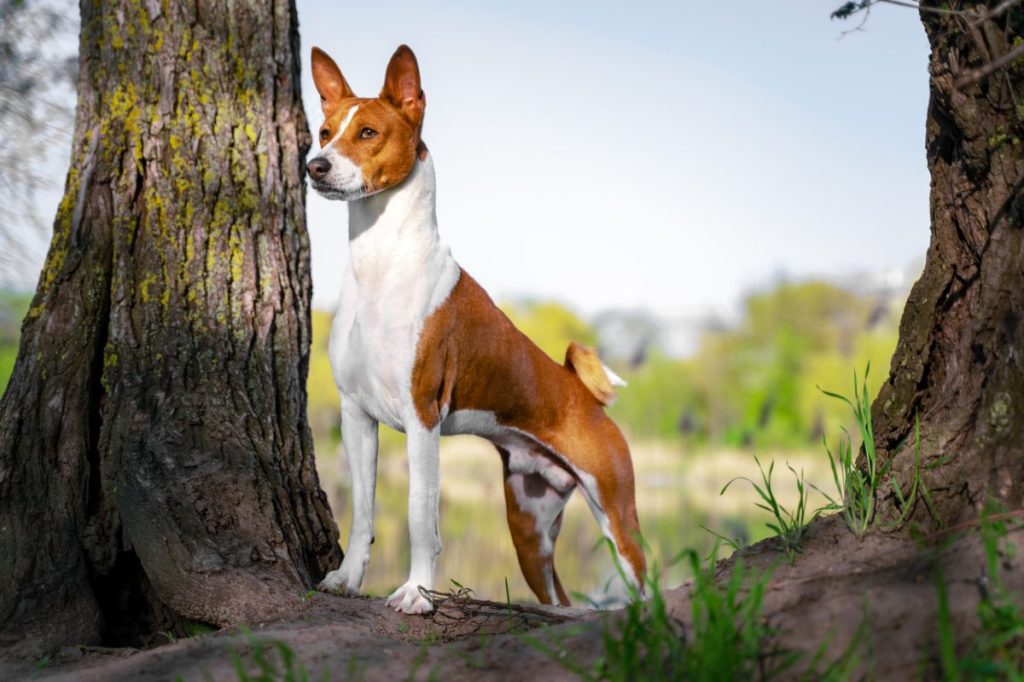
x=367, y=144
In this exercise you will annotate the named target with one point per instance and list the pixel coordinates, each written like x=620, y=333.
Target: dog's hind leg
x=604, y=472
x=536, y=491
x=611, y=501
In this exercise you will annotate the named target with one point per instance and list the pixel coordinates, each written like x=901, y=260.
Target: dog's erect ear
x=331, y=85
x=402, y=85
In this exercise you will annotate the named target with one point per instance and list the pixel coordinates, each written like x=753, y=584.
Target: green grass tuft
x=857, y=486
x=789, y=525
x=727, y=640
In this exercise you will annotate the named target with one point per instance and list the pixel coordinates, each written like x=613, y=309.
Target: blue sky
x=669, y=156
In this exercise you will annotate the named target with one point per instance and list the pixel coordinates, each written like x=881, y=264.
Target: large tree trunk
x=959, y=365
x=156, y=465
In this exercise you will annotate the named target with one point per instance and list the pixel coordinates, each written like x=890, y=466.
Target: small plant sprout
x=735, y=544
x=789, y=525
x=508, y=602
x=857, y=486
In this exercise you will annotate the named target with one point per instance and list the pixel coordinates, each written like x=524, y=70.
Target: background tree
x=156, y=465
x=959, y=364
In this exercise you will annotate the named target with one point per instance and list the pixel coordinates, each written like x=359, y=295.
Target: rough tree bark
x=156, y=465
x=959, y=364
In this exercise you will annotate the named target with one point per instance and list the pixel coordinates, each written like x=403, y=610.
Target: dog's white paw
x=407, y=599
x=341, y=582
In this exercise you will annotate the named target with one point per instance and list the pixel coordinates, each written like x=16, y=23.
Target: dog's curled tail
x=594, y=374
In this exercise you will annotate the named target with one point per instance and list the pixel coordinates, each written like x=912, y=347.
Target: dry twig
x=459, y=606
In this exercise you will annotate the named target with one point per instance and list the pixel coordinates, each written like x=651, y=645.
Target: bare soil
x=883, y=586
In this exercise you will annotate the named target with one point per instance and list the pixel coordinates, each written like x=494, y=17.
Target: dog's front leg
x=359, y=435
x=424, y=496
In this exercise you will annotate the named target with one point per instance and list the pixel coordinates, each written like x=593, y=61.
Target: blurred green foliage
x=13, y=306
x=324, y=403
x=660, y=398
x=757, y=384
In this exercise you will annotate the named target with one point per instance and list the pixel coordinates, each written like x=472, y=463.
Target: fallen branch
x=460, y=605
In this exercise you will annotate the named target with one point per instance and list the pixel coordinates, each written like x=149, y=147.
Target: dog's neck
x=393, y=236
x=407, y=207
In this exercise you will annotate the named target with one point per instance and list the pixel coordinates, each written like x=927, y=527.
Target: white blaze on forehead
x=344, y=124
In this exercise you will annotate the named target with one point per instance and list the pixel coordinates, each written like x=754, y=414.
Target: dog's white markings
x=588, y=485
x=398, y=273
x=409, y=599
x=613, y=378
x=359, y=435
x=534, y=497
x=424, y=534
x=344, y=124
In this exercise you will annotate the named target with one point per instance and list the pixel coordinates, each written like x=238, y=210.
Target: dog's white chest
x=398, y=273
x=372, y=350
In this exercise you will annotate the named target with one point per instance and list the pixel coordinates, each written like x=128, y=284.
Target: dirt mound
x=882, y=587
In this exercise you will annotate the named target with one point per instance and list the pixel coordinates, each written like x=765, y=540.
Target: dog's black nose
x=318, y=168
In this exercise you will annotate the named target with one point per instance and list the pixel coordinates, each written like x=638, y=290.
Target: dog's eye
x=324, y=134
x=367, y=133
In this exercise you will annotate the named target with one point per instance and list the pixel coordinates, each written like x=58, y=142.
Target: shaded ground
x=352, y=638
x=840, y=582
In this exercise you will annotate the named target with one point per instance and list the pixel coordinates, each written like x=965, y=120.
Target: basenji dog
x=417, y=344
